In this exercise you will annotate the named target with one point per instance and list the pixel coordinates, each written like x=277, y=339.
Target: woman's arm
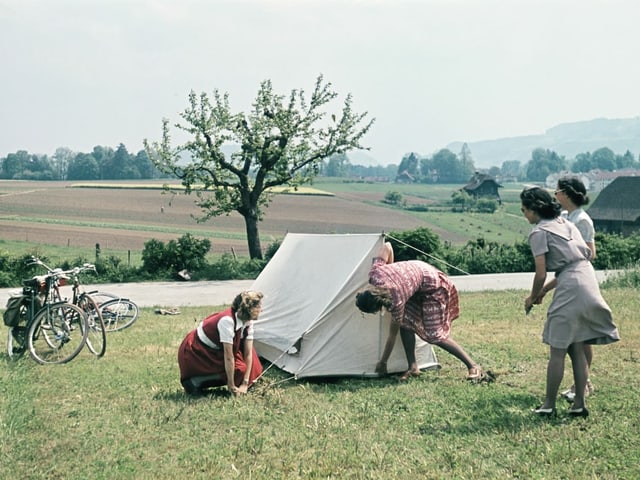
x=538, y=281
x=229, y=367
x=547, y=288
x=381, y=366
x=248, y=361
x=386, y=253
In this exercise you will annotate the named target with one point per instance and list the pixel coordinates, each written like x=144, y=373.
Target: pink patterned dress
x=424, y=298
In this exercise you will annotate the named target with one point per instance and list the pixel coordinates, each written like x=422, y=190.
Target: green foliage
x=462, y=201
x=486, y=205
x=415, y=244
x=393, y=197
x=185, y=253
x=228, y=267
x=544, y=162
x=629, y=278
x=480, y=256
x=614, y=251
x=154, y=256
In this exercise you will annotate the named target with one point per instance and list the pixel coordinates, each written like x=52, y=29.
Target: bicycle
x=118, y=313
x=96, y=334
x=53, y=332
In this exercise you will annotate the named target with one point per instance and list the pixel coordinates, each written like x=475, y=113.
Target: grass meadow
x=124, y=416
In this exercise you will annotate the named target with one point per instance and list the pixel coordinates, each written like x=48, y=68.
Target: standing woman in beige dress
x=577, y=314
x=571, y=194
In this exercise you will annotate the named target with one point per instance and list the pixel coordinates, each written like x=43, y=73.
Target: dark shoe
x=545, y=412
x=578, y=412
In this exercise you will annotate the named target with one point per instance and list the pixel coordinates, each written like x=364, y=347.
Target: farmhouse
x=617, y=208
x=483, y=185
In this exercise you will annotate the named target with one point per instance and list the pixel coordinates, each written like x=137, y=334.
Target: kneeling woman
x=220, y=350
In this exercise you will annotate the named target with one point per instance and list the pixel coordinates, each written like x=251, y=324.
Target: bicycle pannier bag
x=12, y=313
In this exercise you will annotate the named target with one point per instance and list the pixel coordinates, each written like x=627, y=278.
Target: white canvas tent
x=309, y=325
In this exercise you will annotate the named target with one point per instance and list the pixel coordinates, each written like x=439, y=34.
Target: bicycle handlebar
x=58, y=272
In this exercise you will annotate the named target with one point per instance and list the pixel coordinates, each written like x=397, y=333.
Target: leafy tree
x=625, y=161
x=121, y=165
x=449, y=167
x=604, y=159
x=15, y=164
x=511, y=168
x=582, y=163
x=466, y=161
x=104, y=157
x=409, y=164
x=494, y=171
x=83, y=167
x=542, y=163
x=281, y=142
x=61, y=160
x=337, y=166
x=145, y=166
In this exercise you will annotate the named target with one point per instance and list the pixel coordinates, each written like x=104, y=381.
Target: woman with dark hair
x=571, y=194
x=422, y=301
x=577, y=314
x=220, y=350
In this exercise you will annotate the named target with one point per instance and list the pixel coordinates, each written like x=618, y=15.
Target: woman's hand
x=528, y=304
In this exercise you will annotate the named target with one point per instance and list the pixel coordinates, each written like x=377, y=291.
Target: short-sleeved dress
x=577, y=313
x=424, y=298
x=583, y=222
x=201, y=353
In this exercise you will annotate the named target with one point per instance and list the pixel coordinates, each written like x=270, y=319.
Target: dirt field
x=124, y=219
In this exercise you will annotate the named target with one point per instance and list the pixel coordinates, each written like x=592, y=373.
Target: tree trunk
x=253, y=237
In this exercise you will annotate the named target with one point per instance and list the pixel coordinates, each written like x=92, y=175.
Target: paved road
x=176, y=294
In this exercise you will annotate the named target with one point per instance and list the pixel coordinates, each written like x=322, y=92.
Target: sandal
x=409, y=374
x=475, y=373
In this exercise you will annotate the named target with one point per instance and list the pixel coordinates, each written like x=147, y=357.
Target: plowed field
x=124, y=219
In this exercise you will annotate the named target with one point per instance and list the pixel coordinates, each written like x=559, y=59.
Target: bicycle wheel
x=100, y=297
x=57, y=334
x=96, y=332
x=17, y=336
x=118, y=314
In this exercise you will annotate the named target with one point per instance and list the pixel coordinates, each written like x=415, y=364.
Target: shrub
x=486, y=205
x=415, y=244
x=393, y=198
x=154, y=256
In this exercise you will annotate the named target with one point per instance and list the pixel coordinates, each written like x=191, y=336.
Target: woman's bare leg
x=409, y=344
x=449, y=345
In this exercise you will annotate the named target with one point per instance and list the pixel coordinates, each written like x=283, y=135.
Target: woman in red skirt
x=220, y=350
x=422, y=301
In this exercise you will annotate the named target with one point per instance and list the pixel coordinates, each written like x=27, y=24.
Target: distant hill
x=566, y=139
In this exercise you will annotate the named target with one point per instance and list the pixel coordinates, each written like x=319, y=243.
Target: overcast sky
x=80, y=73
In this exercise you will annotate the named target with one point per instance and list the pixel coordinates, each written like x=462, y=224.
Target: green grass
x=124, y=416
